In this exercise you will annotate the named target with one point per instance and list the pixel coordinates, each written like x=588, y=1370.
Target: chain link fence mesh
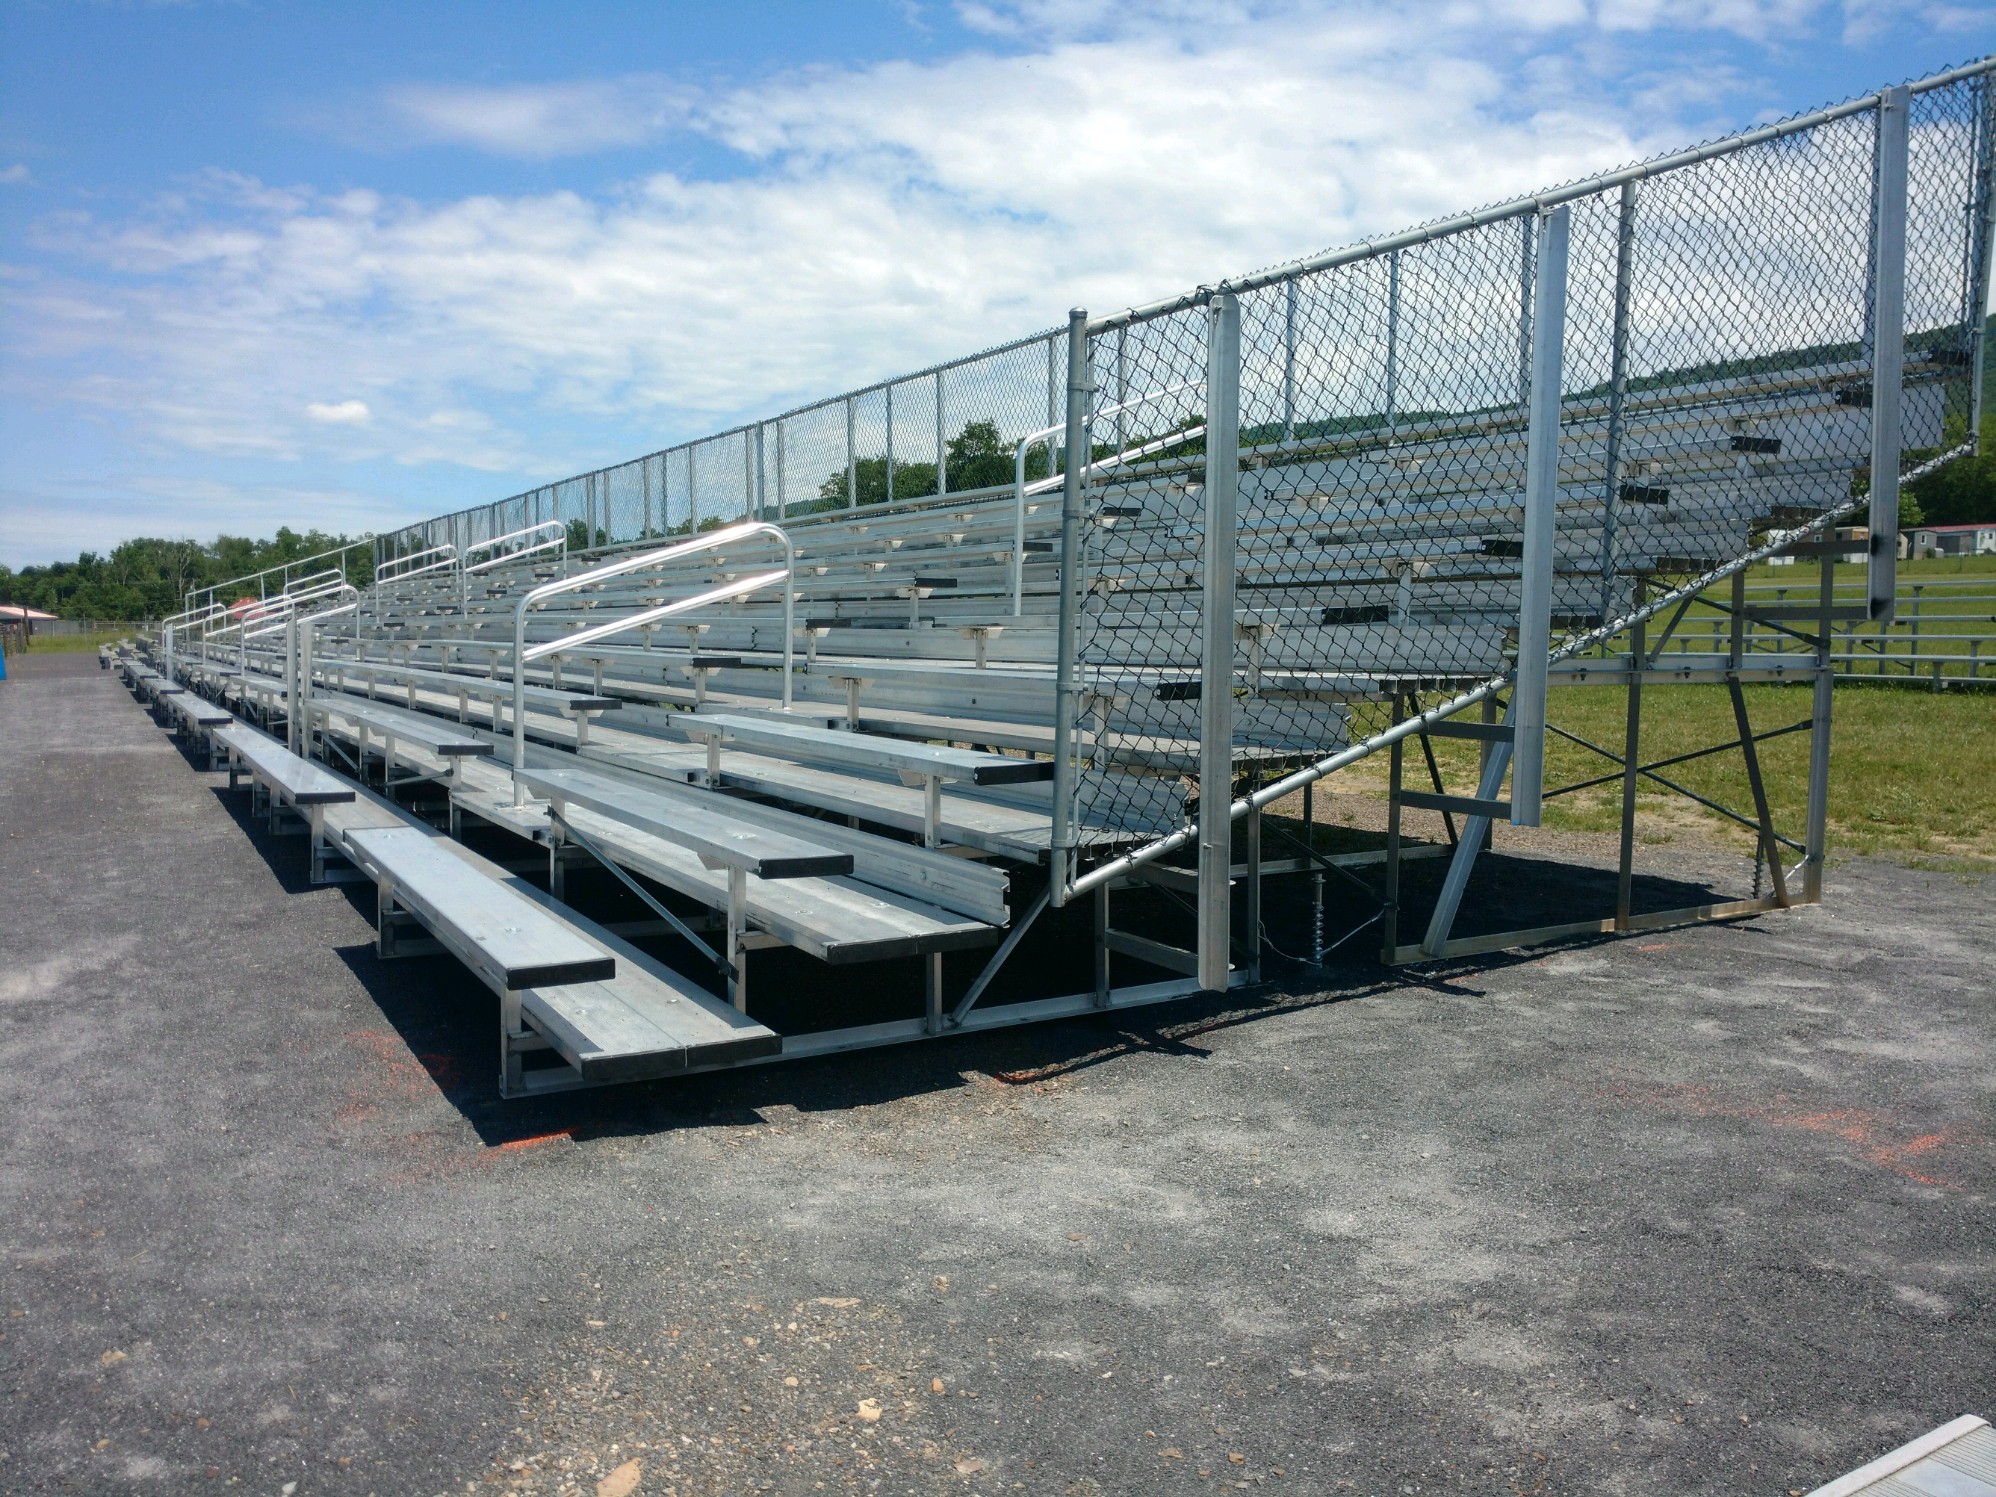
x=1715, y=388
x=947, y=431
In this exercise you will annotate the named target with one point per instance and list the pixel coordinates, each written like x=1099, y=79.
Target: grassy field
x=1944, y=603
x=47, y=644
x=1911, y=773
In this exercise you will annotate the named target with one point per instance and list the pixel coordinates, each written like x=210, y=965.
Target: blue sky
x=349, y=265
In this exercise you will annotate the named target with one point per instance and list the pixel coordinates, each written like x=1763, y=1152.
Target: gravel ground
x=1700, y=1212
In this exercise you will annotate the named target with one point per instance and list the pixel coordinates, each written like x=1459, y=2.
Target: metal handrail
x=557, y=541
x=284, y=567
x=1020, y=488
x=1019, y=492
x=186, y=618
x=711, y=541
x=386, y=572
x=313, y=580
x=298, y=671
x=277, y=612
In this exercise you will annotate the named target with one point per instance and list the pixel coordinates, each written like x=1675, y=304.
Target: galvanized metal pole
x=751, y=506
x=1216, y=675
x=1631, y=758
x=1888, y=358
x=692, y=490
x=852, y=459
x=1289, y=361
x=291, y=692
x=1122, y=390
x=1053, y=374
x=1815, y=834
x=1392, y=344
x=302, y=704
x=1067, y=692
x=1984, y=210
x=890, y=444
x=1618, y=386
x=1541, y=505
x=942, y=447
x=1526, y=224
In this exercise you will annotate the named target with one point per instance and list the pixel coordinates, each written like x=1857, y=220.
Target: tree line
x=150, y=577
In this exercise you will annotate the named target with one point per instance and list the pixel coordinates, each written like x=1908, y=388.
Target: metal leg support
x=1389, y=920
x=1631, y=759
x=1102, y=945
x=1460, y=866
x=1253, y=891
x=512, y=1080
x=932, y=974
x=737, y=953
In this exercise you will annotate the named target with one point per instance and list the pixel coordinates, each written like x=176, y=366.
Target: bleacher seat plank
x=296, y=780
x=834, y=919
x=447, y=739
x=704, y=829
x=773, y=736
x=485, y=925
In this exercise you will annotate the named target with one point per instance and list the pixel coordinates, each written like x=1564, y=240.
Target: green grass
x=1938, y=620
x=1910, y=772
x=47, y=644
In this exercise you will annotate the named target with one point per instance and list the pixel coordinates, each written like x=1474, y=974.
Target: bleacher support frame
x=1336, y=510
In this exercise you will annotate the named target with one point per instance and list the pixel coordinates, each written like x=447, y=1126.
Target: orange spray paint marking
x=1855, y=1125
x=565, y=1135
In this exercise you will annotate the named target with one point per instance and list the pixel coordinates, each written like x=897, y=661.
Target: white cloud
x=889, y=216
x=537, y=121
x=345, y=413
x=16, y=175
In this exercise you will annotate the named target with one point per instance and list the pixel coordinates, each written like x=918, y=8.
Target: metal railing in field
x=1943, y=633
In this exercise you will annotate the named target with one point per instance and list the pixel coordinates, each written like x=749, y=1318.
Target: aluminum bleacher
x=1346, y=507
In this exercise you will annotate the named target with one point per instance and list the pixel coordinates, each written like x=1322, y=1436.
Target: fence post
x=942, y=447
x=852, y=459
x=1392, y=346
x=1216, y=673
x=1053, y=372
x=890, y=444
x=1541, y=498
x=1067, y=695
x=1289, y=359
x=1983, y=208
x=1888, y=356
x=1618, y=385
x=1816, y=825
x=1122, y=388
x=1526, y=223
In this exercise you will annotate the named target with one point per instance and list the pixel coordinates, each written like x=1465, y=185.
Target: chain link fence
x=1715, y=389
x=949, y=430
x=1715, y=383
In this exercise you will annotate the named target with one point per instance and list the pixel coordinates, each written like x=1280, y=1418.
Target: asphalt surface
x=1701, y=1212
